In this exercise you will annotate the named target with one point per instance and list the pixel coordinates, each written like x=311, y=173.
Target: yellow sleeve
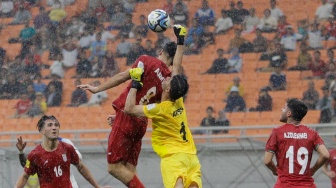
x=152, y=110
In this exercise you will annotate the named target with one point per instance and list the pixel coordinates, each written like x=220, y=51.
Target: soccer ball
x=158, y=21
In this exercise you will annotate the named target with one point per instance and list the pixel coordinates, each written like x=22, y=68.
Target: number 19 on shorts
x=301, y=157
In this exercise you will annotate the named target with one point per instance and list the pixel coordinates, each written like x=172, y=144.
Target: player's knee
x=193, y=185
x=113, y=168
x=179, y=183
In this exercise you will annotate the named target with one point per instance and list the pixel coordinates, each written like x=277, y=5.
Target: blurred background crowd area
x=242, y=58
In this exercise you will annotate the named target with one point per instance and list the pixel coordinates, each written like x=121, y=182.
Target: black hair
x=267, y=10
x=40, y=123
x=330, y=51
x=170, y=48
x=223, y=11
x=316, y=51
x=178, y=87
x=325, y=88
x=297, y=108
x=210, y=108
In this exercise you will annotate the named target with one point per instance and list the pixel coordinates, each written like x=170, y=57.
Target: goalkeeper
x=171, y=137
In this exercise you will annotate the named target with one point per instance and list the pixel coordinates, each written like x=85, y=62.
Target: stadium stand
x=204, y=89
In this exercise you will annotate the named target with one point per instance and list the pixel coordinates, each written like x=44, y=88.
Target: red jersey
x=331, y=28
x=36, y=59
x=100, y=10
x=282, y=29
x=52, y=168
x=23, y=106
x=332, y=163
x=155, y=72
x=318, y=69
x=293, y=147
x=25, y=4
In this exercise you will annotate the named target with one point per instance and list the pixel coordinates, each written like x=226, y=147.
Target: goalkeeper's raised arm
x=180, y=33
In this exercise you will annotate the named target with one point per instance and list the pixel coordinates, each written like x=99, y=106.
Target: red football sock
x=135, y=183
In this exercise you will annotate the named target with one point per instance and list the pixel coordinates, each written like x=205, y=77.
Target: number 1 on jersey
x=183, y=132
x=302, y=161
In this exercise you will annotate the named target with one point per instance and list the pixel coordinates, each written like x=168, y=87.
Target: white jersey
x=72, y=178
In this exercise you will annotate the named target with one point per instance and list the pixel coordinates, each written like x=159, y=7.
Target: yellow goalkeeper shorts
x=181, y=165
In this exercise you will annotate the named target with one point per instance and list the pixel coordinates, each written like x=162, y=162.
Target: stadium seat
x=306, y=74
x=262, y=64
x=12, y=50
x=313, y=116
x=268, y=121
x=294, y=93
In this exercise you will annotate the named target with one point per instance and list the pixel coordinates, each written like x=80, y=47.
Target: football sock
x=135, y=183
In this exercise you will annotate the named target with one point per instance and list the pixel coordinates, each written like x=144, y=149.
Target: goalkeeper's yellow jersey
x=171, y=133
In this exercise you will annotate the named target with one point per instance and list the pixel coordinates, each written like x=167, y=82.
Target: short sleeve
x=152, y=110
x=318, y=141
x=30, y=167
x=139, y=63
x=70, y=142
x=74, y=156
x=271, y=144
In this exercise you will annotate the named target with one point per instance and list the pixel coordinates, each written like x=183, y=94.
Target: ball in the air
x=158, y=20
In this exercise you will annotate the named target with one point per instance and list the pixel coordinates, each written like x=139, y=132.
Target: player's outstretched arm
x=268, y=161
x=323, y=158
x=22, y=181
x=112, y=82
x=85, y=172
x=180, y=33
x=20, y=145
x=130, y=107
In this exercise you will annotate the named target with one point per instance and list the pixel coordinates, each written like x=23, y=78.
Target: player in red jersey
x=124, y=143
x=293, y=145
x=331, y=173
x=51, y=159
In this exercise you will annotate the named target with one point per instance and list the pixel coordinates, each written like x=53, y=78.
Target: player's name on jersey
x=159, y=74
x=295, y=135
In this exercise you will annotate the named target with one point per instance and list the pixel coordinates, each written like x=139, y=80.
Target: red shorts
x=279, y=184
x=124, y=142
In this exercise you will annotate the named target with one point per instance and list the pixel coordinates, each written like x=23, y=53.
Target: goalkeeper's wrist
x=136, y=85
x=180, y=40
x=21, y=152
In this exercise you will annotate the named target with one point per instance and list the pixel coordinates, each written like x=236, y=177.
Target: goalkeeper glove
x=180, y=33
x=136, y=85
x=136, y=74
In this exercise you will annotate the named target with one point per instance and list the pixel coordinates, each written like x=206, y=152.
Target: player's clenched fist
x=180, y=33
x=136, y=74
x=110, y=119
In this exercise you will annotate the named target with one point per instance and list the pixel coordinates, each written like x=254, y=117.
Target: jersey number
x=183, y=132
x=150, y=93
x=301, y=157
x=58, y=171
